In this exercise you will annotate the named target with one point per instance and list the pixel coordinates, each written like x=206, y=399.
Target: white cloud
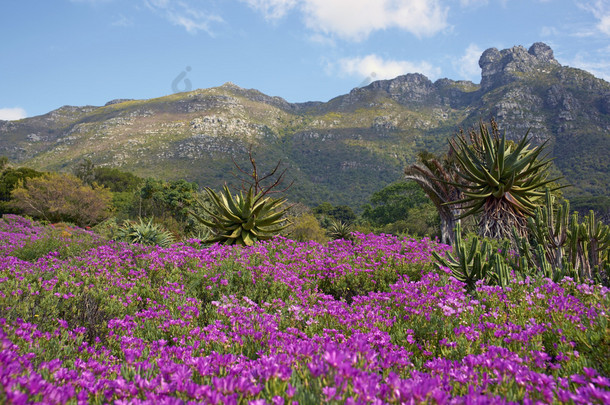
x=547, y=31
x=377, y=68
x=601, y=11
x=181, y=13
x=356, y=19
x=10, y=114
x=468, y=65
x=473, y=3
x=272, y=9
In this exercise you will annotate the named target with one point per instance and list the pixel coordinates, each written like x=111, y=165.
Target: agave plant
x=145, y=233
x=501, y=180
x=242, y=219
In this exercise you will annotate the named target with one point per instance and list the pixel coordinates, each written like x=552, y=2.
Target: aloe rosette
x=501, y=181
x=242, y=219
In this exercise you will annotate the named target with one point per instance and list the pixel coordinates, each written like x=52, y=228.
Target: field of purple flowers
x=373, y=321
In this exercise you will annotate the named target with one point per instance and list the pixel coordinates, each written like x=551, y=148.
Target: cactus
x=564, y=247
x=550, y=229
x=597, y=235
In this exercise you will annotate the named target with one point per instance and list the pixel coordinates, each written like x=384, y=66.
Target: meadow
x=368, y=321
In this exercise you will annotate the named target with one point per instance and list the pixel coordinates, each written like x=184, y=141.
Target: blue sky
x=87, y=52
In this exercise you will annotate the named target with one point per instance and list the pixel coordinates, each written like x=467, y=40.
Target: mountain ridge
x=341, y=150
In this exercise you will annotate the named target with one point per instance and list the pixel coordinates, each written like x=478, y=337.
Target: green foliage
x=145, y=233
x=59, y=239
x=306, y=227
x=502, y=181
x=159, y=197
x=598, y=204
x=59, y=197
x=350, y=285
x=560, y=247
x=85, y=171
x=10, y=179
x=393, y=202
x=402, y=208
x=243, y=219
x=327, y=212
x=116, y=180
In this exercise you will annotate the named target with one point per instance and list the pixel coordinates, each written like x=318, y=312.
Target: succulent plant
x=340, y=230
x=563, y=246
x=502, y=180
x=242, y=219
x=145, y=233
x=468, y=266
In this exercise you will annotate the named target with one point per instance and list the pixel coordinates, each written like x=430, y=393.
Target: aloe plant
x=501, y=180
x=340, y=230
x=242, y=219
x=145, y=232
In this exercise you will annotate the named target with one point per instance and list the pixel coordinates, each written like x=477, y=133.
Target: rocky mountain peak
x=502, y=67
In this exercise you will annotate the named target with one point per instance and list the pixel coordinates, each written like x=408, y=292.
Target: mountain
x=339, y=151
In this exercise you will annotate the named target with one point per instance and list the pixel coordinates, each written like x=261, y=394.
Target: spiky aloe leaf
x=501, y=180
x=242, y=219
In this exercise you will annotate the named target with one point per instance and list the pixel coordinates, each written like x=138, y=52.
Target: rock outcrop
x=499, y=68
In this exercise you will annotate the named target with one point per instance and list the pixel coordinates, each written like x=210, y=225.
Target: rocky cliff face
x=499, y=68
x=340, y=151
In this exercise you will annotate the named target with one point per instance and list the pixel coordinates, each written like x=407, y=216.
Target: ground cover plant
x=371, y=320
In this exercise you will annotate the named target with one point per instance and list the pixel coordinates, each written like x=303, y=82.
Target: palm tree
x=501, y=181
x=436, y=178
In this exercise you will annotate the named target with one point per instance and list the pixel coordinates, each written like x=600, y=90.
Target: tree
x=160, y=198
x=85, y=171
x=502, y=182
x=393, y=202
x=437, y=178
x=10, y=178
x=59, y=197
x=328, y=213
x=116, y=180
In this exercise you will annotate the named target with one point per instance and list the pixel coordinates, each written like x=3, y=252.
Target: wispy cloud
x=468, y=65
x=181, y=13
x=356, y=19
x=373, y=66
x=597, y=64
x=122, y=21
x=473, y=3
x=11, y=114
x=272, y=9
x=601, y=12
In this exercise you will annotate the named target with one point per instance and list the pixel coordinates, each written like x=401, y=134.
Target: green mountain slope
x=339, y=151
